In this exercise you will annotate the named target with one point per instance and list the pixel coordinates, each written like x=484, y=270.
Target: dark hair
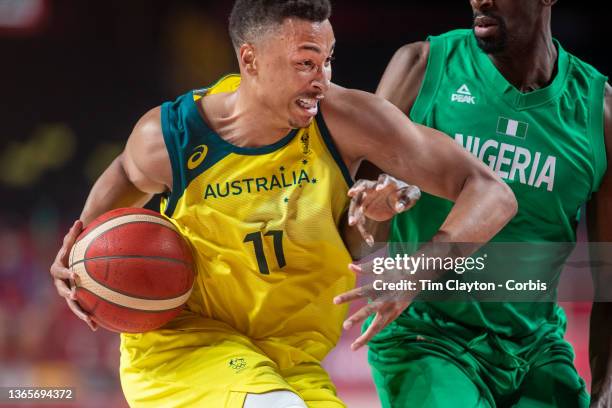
x=251, y=18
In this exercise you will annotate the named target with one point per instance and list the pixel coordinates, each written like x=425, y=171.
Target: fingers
x=365, y=234
x=386, y=312
x=359, y=316
x=403, y=199
x=81, y=314
x=73, y=233
x=408, y=196
x=356, y=217
x=384, y=181
x=356, y=268
x=62, y=276
x=360, y=186
x=355, y=208
x=69, y=239
x=363, y=268
x=378, y=323
x=358, y=293
x=59, y=271
x=64, y=290
x=358, y=194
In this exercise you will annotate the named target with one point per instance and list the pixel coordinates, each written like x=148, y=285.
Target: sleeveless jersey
x=263, y=224
x=547, y=145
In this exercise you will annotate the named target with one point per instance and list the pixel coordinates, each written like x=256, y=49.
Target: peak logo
x=463, y=95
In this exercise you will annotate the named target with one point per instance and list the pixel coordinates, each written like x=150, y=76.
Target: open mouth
x=310, y=105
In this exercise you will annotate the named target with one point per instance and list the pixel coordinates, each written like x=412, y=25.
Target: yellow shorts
x=204, y=363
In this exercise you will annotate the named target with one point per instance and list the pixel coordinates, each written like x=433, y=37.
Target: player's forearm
x=600, y=348
x=484, y=206
x=113, y=189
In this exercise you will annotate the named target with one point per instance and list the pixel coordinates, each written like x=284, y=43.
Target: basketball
x=134, y=270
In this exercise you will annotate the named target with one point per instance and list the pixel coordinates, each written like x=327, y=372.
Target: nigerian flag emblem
x=510, y=127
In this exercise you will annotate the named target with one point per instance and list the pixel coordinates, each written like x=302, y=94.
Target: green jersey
x=547, y=145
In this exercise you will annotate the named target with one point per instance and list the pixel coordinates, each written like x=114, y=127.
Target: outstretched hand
x=387, y=305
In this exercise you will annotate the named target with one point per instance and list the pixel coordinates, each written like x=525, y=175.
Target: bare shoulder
x=411, y=56
x=404, y=75
x=147, y=137
x=145, y=157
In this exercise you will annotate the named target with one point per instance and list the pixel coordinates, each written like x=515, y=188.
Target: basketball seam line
x=93, y=239
x=170, y=226
x=99, y=298
x=129, y=295
x=156, y=215
x=121, y=292
x=157, y=258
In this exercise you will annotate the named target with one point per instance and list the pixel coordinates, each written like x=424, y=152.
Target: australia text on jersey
x=258, y=184
x=508, y=161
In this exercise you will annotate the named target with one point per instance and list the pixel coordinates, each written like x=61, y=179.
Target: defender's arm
x=368, y=127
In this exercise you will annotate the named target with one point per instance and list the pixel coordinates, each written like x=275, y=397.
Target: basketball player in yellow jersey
x=255, y=172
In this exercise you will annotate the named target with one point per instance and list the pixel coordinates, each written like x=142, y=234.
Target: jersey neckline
x=203, y=126
x=508, y=92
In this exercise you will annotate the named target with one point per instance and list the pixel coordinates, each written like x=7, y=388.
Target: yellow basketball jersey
x=263, y=223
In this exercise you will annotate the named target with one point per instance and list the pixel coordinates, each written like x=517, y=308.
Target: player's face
x=498, y=23
x=295, y=70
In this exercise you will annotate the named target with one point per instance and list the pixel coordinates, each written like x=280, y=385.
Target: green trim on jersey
x=185, y=131
x=217, y=140
x=431, y=81
x=170, y=133
x=331, y=147
x=504, y=90
x=187, y=134
x=596, y=127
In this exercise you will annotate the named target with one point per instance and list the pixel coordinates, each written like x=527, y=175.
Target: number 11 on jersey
x=257, y=239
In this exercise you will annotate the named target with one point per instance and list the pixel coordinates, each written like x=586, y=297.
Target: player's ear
x=548, y=3
x=247, y=58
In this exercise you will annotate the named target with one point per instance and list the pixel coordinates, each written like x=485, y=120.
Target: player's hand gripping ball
x=134, y=270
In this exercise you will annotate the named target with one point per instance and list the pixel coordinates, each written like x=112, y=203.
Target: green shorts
x=415, y=364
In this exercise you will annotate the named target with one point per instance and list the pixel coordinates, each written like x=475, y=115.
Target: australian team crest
x=305, y=143
x=238, y=364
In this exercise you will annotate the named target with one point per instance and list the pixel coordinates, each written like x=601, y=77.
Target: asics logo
x=197, y=157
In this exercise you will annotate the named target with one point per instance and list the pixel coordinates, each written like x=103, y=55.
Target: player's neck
x=530, y=65
x=239, y=120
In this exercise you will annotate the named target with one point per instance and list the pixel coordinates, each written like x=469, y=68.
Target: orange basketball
x=135, y=270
